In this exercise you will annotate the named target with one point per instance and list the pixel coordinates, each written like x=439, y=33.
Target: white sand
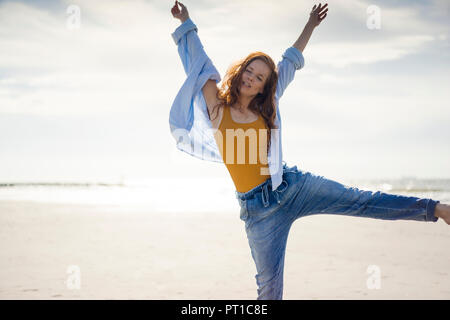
x=130, y=253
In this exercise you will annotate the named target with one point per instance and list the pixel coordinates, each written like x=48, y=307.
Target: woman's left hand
x=318, y=13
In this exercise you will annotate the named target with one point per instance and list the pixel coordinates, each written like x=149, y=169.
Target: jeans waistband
x=251, y=193
x=265, y=187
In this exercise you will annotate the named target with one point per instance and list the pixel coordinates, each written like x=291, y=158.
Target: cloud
x=112, y=63
x=344, y=54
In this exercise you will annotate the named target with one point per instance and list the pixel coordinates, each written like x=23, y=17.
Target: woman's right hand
x=182, y=15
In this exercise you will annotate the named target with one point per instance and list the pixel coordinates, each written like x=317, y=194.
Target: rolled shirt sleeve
x=292, y=61
x=295, y=56
x=182, y=29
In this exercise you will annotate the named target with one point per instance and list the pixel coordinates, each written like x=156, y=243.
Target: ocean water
x=188, y=195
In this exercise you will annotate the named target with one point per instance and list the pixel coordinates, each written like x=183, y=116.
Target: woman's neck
x=242, y=104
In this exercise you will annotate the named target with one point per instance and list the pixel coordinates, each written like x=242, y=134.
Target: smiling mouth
x=245, y=84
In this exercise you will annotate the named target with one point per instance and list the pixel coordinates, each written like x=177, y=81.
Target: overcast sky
x=89, y=98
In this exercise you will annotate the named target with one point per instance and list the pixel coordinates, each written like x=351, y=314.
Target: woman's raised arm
x=293, y=57
x=210, y=88
x=318, y=13
x=186, y=37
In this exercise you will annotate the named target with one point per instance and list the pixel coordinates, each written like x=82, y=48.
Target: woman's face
x=254, y=77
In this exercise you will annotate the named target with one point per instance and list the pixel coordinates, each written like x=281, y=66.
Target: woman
x=207, y=121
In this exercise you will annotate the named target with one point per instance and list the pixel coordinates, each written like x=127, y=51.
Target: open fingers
x=323, y=14
x=322, y=8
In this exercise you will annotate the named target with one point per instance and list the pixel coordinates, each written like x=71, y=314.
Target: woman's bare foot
x=443, y=211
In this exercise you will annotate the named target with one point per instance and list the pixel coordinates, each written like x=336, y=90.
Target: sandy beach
x=132, y=253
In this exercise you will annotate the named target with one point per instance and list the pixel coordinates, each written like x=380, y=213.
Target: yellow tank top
x=247, y=165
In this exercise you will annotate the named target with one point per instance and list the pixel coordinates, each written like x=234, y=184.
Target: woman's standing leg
x=267, y=231
x=268, y=252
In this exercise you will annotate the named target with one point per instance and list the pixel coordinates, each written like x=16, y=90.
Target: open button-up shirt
x=189, y=120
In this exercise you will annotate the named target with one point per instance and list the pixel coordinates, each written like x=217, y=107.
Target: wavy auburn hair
x=262, y=103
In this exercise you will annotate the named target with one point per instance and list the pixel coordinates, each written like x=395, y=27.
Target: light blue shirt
x=189, y=121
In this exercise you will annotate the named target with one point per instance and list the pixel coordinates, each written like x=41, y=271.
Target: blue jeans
x=268, y=216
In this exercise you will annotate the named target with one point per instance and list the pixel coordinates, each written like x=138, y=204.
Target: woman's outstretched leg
x=324, y=196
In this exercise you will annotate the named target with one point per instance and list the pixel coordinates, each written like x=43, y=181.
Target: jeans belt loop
x=277, y=192
x=265, y=196
x=286, y=186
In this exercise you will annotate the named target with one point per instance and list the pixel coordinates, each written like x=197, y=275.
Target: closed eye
x=259, y=78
